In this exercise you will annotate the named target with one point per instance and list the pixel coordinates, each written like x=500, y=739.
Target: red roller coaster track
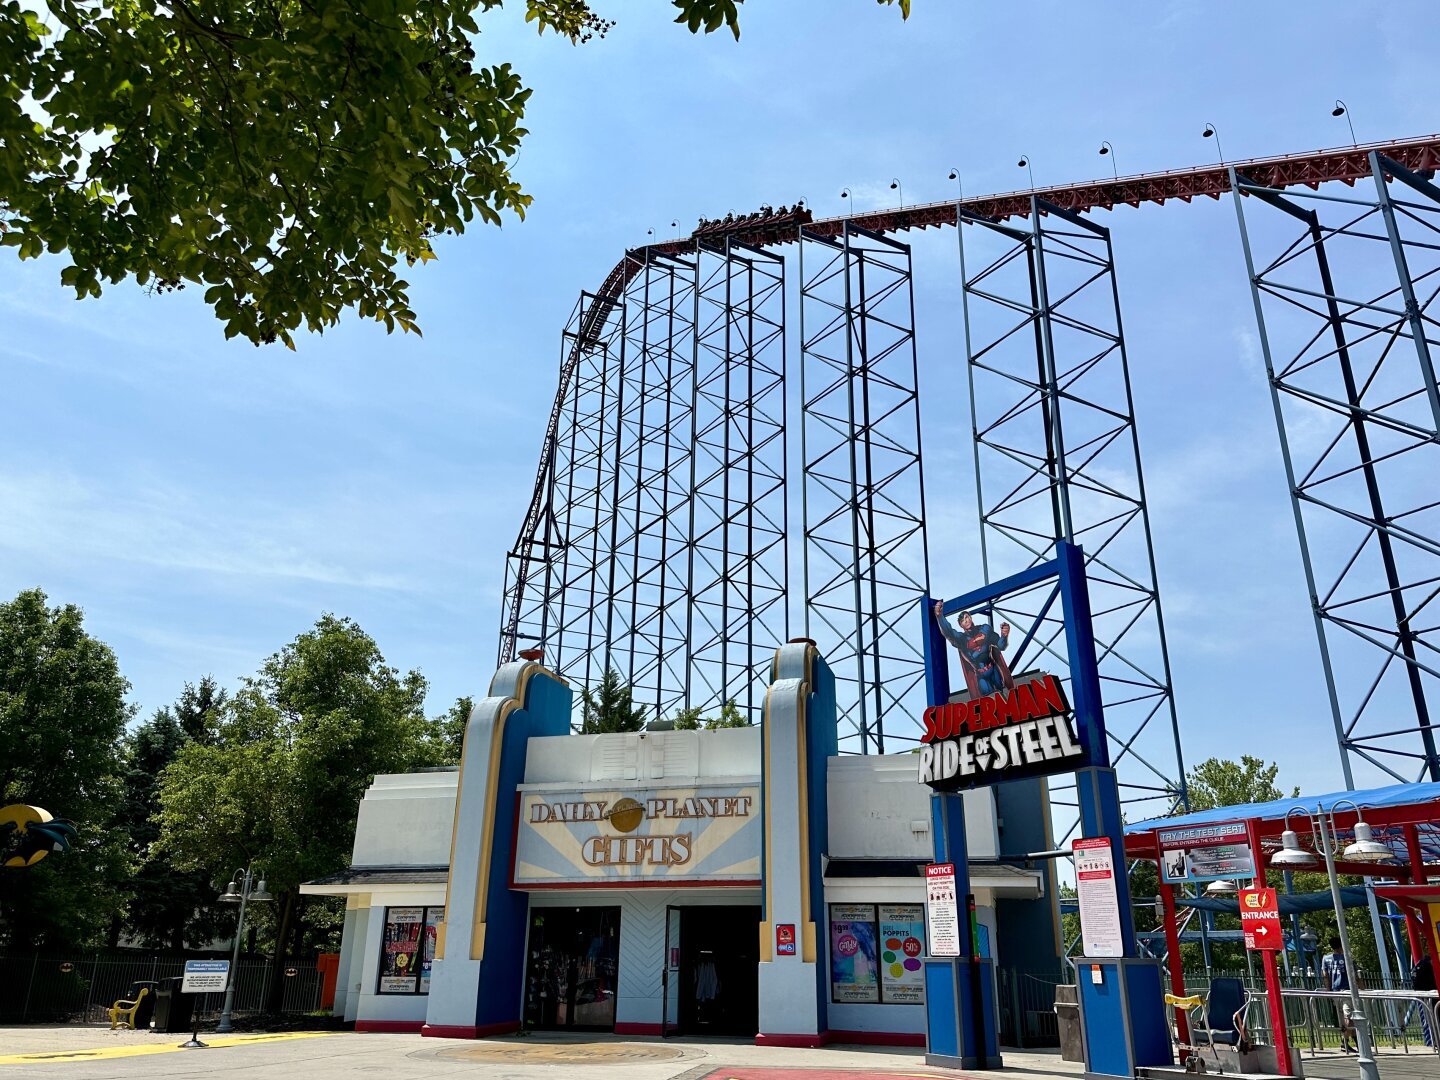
x=1345, y=164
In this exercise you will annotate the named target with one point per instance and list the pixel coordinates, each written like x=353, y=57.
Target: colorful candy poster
x=400, y=954
x=902, y=943
x=854, y=975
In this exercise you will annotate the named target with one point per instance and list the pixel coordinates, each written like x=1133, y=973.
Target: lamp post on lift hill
x=1364, y=848
x=241, y=890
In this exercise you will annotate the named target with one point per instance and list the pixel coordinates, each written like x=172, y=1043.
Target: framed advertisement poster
x=902, y=943
x=854, y=971
x=407, y=951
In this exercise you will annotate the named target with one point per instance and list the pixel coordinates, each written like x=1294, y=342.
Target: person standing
x=1336, y=978
x=1423, y=979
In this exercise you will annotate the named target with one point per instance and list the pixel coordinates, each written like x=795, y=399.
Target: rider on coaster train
x=980, y=647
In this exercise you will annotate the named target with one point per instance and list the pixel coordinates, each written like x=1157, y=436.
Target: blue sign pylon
x=1122, y=1007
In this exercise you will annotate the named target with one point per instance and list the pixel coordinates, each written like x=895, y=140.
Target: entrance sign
x=1260, y=920
x=1100, y=931
x=1206, y=853
x=698, y=834
x=942, y=912
x=205, y=976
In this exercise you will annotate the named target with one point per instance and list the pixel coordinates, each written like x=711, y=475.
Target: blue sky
x=205, y=501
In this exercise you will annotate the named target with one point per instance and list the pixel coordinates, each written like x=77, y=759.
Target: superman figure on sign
x=980, y=647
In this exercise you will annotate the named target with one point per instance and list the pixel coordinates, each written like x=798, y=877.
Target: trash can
x=173, y=1009
x=1067, y=1019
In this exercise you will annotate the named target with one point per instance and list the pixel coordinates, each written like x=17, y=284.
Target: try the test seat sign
x=1024, y=729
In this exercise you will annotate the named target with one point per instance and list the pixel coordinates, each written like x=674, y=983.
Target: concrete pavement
x=87, y=1053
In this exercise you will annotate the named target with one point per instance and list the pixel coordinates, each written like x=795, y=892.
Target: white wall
x=638, y=980
x=878, y=810
x=406, y=819
x=363, y=1003
x=643, y=756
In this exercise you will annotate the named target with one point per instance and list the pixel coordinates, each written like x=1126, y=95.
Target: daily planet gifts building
x=746, y=881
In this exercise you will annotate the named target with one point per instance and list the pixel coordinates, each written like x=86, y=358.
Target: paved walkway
x=76, y=1052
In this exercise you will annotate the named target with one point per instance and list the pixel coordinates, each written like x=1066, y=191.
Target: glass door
x=570, y=968
x=670, y=974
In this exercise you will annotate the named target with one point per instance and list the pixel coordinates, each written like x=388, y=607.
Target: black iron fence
x=1027, y=1006
x=43, y=988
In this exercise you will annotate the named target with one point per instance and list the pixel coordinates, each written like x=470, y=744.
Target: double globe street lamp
x=1364, y=849
x=242, y=890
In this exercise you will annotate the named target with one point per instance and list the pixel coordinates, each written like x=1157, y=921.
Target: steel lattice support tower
x=1057, y=456
x=1344, y=288
x=865, y=560
x=646, y=635
x=563, y=599
x=738, y=524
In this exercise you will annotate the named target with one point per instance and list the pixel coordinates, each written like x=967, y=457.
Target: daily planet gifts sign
x=661, y=836
x=1024, y=728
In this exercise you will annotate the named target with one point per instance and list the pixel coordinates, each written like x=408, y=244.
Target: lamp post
x=1364, y=848
x=1106, y=150
x=1211, y=132
x=1024, y=163
x=242, y=889
x=1341, y=109
x=895, y=185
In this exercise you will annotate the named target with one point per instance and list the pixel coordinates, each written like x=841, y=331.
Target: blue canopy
x=1290, y=904
x=1394, y=795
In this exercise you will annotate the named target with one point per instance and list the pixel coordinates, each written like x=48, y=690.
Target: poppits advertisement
x=1003, y=727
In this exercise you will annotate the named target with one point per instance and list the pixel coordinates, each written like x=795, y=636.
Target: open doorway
x=718, y=977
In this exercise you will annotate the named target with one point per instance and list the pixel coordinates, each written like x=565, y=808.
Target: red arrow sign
x=1260, y=919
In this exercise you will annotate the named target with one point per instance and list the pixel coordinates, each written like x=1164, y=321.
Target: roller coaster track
x=1346, y=165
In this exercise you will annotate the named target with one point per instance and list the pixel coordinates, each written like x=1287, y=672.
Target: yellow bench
x=123, y=1012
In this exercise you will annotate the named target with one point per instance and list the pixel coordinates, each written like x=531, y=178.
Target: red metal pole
x=1277, y=1013
x=1418, y=875
x=1173, y=960
x=1280, y=1033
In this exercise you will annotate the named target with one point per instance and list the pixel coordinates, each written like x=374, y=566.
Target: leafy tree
x=450, y=730
x=168, y=907
x=607, y=708
x=730, y=716
x=293, y=753
x=1222, y=782
x=62, y=715
x=689, y=719
x=284, y=155
x=692, y=718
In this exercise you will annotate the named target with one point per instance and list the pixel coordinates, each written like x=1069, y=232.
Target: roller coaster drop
x=657, y=538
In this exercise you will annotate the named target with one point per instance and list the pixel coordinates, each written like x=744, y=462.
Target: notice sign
x=1260, y=919
x=942, y=913
x=784, y=939
x=205, y=976
x=1100, y=931
x=1206, y=853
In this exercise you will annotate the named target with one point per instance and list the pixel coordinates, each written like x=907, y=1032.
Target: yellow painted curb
x=100, y=1053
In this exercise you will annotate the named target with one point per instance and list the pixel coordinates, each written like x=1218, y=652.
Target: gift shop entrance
x=573, y=960
x=712, y=958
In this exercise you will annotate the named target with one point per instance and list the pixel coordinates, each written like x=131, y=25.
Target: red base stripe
x=468, y=1031
x=804, y=1042
x=639, y=1029
x=405, y=1026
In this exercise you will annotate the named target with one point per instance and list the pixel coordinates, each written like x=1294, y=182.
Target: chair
x=124, y=1010
x=1224, y=1018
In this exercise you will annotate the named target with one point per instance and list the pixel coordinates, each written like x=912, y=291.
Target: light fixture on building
x=1291, y=854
